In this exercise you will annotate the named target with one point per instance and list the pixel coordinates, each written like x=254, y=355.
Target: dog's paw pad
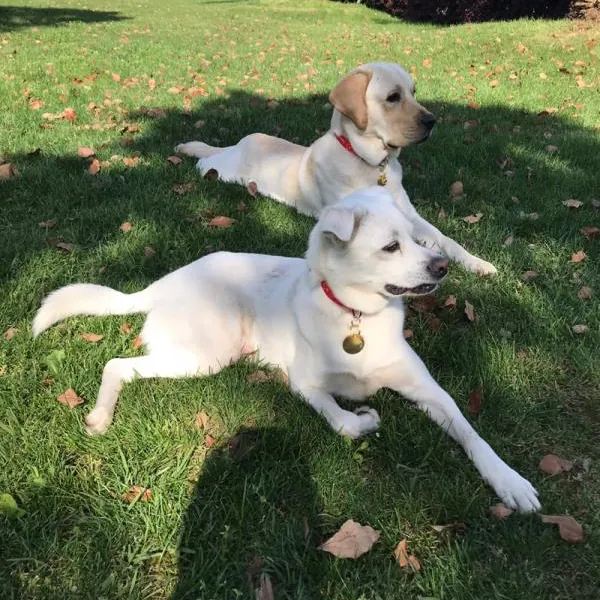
x=517, y=493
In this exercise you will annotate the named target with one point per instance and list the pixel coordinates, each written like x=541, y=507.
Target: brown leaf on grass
x=578, y=256
x=84, y=152
x=201, y=420
x=116, y=77
x=450, y=302
x=9, y=334
x=408, y=334
x=474, y=402
x=199, y=124
x=424, y=304
x=252, y=188
x=149, y=251
x=211, y=175
x=65, y=246
x=132, y=161
x=36, y=104
x=553, y=465
x=552, y=149
x=70, y=398
x=222, y=222
x=579, y=329
x=528, y=276
x=265, y=590
x=473, y=218
x=126, y=227
x=509, y=241
x=176, y=89
x=175, y=160
x=470, y=124
x=442, y=214
x=94, y=167
x=499, y=511
x=534, y=216
x=137, y=342
x=259, y=376
x=7, y=171
x=494, y=83
x=404, y=558
x=585, y=293
x=125, y=328
x=427, y=63
x=572, y=203
x=469, y=311
x=458, y=526
x=351, y=541
x=457, y=189
x=184, y=188
x=91, y=337
x=69, y=114
x=209, y=441
x=568, y=528
x=590, y=232
x=155, y=113
x=49, y=224
x=136, y=492
x=521, y=48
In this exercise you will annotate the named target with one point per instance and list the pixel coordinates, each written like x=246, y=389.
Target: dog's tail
x=87, y=299
x=198, y=149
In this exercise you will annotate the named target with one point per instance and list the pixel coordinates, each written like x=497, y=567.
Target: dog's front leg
x=426, y=234
x=352, y=424
x=411, y=378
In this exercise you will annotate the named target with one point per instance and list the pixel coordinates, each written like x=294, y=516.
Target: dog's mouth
x=419, y=290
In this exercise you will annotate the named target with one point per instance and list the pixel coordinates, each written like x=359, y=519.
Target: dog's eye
x=394, y=97
x=393, y=247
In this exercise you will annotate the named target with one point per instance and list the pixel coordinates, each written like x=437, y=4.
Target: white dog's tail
x=87, y=299
x=198, y=149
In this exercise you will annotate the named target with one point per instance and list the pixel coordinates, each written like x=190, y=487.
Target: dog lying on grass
x=332, y=322
x=375, y=114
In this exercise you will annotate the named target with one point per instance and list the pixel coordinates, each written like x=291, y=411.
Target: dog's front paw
x=362, y=421
x=514, y=491
x=98, y=421
x=481, y=267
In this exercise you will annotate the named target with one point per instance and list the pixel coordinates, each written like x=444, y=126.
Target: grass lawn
x=505, y=93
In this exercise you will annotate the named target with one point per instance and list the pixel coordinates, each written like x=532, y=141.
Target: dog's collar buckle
x=382, y=179
x=354, y=342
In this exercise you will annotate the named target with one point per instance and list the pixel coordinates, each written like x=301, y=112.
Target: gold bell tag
x=354, y=342
x=382, y=179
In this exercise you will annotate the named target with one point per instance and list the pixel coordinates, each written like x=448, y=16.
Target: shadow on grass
x=19, y=17
x=240, y=508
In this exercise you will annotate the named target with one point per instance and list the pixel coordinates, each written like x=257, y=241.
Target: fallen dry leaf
x=201, y=420
x=70, y=398
x=155, y=113
x=551, y=148
x=474, y=402
x=424, y=304
x=126, y=227
x=175, y=160
x=590, y=232
x=211, y=175
x=137, y=493
x=469, y=311
x=572, y=203
x=221, y=221
x=499, y=511
x=568, y=528
x=132, y=161
x=450, y=302
x=408, y=334
x=578, y=256
x=585, y=293
x=427, y=63
x=94, y=167
x=49, y=224
x=66, y=246
x=442, y=214
x=7, y=171
x=84, y=152
x=579, y=329
x=494, y=83
x=125, y=328
x=259, y=376
x=553, y=464
x=265, y=590
x=252, y=188
x=209, y=441
x=528, y=276
x=69, y=114
x=9, y=334
x=534, y=216
x=457, y=189
x=91, y=337
x=149, y=251
x=199, y=124
x=473, y=218
x=36, y=104
x=404, y=558
x=458, y=527
x=351, y=541
x=137, y=343
x=184, y=188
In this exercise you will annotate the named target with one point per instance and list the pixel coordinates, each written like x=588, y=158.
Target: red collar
x=329, y=293
x=345, y=142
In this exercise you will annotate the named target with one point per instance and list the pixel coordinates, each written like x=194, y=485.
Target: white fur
x=322, y=174
x=212, y=311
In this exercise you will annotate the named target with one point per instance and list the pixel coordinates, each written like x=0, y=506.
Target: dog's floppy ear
x=349, y=97
x=338, y=224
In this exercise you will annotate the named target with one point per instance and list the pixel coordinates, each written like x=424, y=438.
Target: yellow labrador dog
x=333, y=322
x=375, y=115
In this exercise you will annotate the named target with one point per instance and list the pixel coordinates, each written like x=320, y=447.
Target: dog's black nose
x=428, y=120
x=438, y=267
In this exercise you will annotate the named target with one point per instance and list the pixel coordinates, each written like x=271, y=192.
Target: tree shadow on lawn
x=19, y=17
x=89, y=211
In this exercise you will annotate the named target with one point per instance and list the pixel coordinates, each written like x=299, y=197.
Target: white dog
x=375, y=115
x=332, y=323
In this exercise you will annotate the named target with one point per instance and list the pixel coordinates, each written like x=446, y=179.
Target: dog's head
x=363, y=247
x=379, y=98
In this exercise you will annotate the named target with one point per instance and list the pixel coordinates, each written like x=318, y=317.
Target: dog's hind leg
x=198, y=149
x=122, y=370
